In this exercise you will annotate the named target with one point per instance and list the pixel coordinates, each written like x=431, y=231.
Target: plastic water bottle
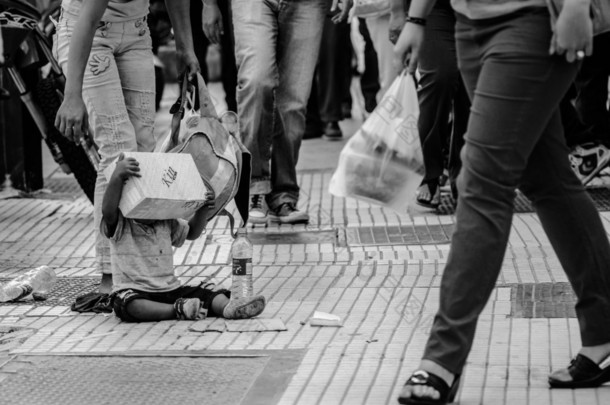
x=38, y=281
x=241, y=255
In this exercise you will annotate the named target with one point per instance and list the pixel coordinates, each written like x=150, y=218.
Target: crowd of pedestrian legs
x=504, y=87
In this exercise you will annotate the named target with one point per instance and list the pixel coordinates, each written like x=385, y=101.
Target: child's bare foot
x=106, y=284
x=188, y=309
x=244, y=308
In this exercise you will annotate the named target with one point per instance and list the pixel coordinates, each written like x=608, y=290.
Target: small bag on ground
x=383, y=162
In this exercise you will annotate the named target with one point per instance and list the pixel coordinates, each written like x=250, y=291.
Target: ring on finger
x=580, y=55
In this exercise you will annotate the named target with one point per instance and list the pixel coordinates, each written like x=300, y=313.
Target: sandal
x=429, y=194
x=421, y=377
x=585, y=373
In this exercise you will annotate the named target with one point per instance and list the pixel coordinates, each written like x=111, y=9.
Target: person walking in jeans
x=514, y=140
x=276, y=48
x=105, y=51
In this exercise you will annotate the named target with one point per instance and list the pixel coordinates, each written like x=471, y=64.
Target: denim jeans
x=119, y=92
x=332, y=80
x=276, y=48
x=515, y=140
x=441, y=94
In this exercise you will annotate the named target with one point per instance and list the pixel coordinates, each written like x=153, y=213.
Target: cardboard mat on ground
x=242, y=325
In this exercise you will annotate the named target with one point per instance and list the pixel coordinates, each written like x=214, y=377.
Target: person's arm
x=397, y=19
x=411, y=37
x=346, y=6
x=211, y=20
x=1, y=47
x=179, y=14
x=72, y=120
x=199, y=221
x=573, y=35
x=125, y=168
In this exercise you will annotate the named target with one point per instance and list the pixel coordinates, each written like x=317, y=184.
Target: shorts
x=203, y=292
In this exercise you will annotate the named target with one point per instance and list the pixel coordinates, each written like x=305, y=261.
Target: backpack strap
x=242, y=197
x=231, y=221
x=178, y=113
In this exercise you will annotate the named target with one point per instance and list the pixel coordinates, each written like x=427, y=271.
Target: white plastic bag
x=383, y=162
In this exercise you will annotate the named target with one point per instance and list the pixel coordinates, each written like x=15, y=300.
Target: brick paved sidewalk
x=377, y=270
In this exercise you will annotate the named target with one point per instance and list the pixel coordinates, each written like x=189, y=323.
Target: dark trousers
x=592, y=86
x=201, y=42
x=369, y=80
x=332, y=81
x=515, y=139
x=588, y=119
x=441, y=94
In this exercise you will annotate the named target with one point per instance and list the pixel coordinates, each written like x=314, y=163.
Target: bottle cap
x=242, y=231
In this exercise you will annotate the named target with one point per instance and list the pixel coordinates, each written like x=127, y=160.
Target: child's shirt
x=141, y=255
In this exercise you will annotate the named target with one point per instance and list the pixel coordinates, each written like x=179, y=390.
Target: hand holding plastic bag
x=383, y=162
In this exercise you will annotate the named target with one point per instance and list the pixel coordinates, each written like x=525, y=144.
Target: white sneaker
x=258, y=211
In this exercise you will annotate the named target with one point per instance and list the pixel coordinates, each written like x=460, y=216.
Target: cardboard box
x=170, y=187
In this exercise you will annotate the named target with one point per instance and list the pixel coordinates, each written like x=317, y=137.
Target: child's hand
x=210, y=199
x=199, y=221
x=125, y=168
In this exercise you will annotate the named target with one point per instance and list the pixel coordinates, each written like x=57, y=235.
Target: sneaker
x=287, y=213
x=244, y=308
x=332, y=131
x=588, y=160
x=189, y=309
x=258, y=213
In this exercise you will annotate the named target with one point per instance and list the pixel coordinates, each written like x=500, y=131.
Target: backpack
x=223, y=162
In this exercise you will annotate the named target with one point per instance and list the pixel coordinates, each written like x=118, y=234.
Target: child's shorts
x=123, y=297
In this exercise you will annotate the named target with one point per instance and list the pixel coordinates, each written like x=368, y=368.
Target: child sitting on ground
x=145, y=286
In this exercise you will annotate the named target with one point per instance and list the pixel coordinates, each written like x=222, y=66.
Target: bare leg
x=150, y=311
x=106, y=284
x=219, y=303
x=146, y=310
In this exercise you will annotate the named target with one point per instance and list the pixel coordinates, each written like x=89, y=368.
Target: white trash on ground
x=38, y=281
x=324, y=319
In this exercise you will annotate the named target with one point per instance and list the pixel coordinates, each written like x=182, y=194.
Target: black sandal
x=434, y=192
x=585, y=373
x=421, y=377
